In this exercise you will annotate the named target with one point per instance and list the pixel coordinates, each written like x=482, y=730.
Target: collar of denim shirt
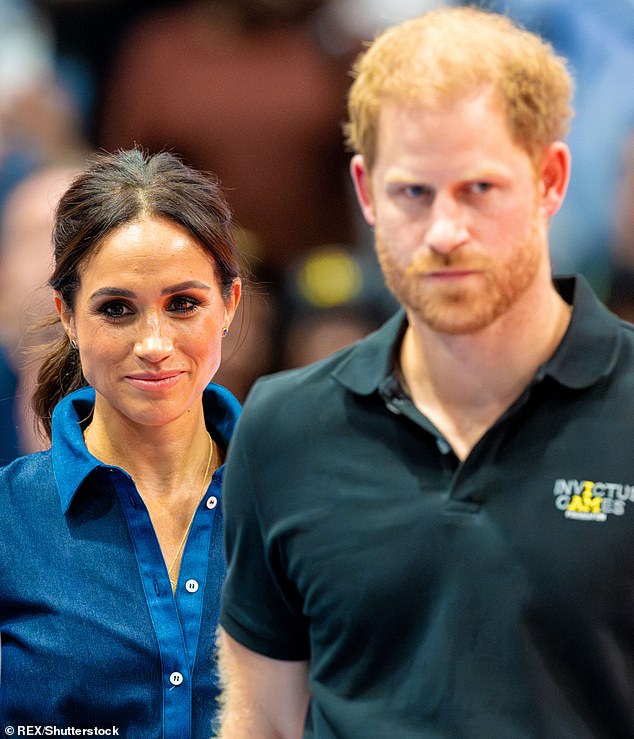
x=73, y=463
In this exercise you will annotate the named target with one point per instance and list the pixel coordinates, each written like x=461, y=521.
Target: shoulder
x=597, y=344
x=626, y=348
x=628, y=329
x=297, y=393
x=27, y=468
x=283, y=384
x=24, y=481
x=283, y=409
x=358, y=369
x=279, y=406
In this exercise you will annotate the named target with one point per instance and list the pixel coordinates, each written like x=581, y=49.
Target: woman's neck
x=164, y=461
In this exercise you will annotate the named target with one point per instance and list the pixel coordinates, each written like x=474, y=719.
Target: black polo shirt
x=436, y=598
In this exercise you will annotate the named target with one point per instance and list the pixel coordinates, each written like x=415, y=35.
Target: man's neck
x=464, y=383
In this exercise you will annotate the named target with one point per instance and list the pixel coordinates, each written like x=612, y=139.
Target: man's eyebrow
x=400, y=175
x=482, y=172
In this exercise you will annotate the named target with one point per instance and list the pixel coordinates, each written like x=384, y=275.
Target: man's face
x=457, y=208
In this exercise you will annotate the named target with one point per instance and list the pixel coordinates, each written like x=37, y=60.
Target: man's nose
x=447, y=229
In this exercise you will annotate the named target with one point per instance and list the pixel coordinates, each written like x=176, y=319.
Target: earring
x=73, y=344
x=225, y=331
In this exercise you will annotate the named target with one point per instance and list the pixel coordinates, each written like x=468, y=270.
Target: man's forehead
x=420, y=104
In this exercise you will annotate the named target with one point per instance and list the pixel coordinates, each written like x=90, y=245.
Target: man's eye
x=479, y=188
x=418, y=191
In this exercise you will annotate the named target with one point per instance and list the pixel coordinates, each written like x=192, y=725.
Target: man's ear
x=554, y=177
x=65, y=315
x=362, y=186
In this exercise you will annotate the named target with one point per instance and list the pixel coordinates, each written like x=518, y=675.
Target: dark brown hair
x=115, y=189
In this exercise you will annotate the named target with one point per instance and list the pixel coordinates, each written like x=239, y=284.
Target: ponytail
x=60, y=373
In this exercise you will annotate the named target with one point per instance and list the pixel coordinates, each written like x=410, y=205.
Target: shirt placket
x=192, y=579
x=176, y=618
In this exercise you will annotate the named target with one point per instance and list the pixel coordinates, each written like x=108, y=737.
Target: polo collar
x=73, y=463
x=371, y=361
x=587, y=352
x=590, y=346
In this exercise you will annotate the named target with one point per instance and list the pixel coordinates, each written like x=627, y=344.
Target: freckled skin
x=459, y=232
x=161, y=317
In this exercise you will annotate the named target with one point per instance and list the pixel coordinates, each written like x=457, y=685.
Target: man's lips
x=451, y=274
x=450, y=268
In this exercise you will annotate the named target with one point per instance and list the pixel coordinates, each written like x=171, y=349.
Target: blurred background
x=254, y=90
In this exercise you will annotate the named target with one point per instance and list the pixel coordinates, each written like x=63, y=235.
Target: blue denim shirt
x=9, y=443
x=92, y=635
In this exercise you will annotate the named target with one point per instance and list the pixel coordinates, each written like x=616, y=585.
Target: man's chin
x=454, y=320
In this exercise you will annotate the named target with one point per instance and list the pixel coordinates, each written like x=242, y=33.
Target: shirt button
x=212, y=502
x=191, y=586
x=176, y=678
x=443, y=446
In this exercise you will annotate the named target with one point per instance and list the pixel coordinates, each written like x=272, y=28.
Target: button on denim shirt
x=91, y=634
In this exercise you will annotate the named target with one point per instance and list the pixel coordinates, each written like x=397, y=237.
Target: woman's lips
x=158, y=381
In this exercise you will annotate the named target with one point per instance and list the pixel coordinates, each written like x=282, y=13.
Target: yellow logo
x=587, y=500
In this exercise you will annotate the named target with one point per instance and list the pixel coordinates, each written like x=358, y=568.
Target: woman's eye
x=115, y=310
x=183, y=304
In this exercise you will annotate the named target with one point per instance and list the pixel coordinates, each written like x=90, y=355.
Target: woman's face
x=148, y=321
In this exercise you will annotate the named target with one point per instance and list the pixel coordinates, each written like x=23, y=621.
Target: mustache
x=432, y=261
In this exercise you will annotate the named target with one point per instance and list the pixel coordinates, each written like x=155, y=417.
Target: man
x=429, y=534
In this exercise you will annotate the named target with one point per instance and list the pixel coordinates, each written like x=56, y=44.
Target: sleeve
x=260, y=606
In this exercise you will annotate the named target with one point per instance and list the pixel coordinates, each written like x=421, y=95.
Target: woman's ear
x=362, y=185
x=232, y=301
x=65, y=316
x=554, y=177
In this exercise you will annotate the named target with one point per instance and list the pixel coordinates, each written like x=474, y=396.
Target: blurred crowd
x=254, y=90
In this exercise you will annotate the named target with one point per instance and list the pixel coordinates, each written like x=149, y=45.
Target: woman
x=110, y=542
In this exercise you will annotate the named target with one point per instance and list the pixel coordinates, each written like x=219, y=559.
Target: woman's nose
x=155, y=345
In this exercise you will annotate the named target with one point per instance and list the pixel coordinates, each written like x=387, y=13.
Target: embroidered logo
x=586, y=500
